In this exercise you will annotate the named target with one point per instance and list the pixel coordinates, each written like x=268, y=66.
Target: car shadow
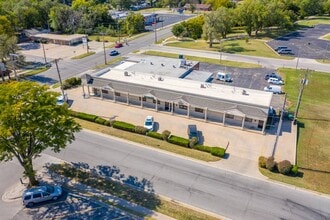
x=156, y=126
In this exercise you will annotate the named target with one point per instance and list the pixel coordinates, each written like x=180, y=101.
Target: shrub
x=178, y=141
x=107, y=123
x=262, y=161
x=294, y=170
x=84, y=116
x=270, y=163
x=203, y=148
x=101, y=121
x=218, y=151
x=141, y=130
x=193, y=141
x=71, y=82
x=123, y=126
x=284, y=167
x=166, y=134
x=155, y=135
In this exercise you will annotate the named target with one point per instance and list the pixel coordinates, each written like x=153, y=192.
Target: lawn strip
x=151, y=142
x=205, y=60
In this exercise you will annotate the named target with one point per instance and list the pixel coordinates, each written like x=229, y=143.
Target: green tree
x=30, y=122
x=178, y=30
x=64, y=19
x=194, y=27
x=220, y=3
x=210, y=27
x=225, y=21
x=134, y=23
x=327, y=7
x=311, y=7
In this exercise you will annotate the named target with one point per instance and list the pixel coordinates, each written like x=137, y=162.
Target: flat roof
x=218, y=91
x=198, y=75
x=60, y=36
x=157, y=65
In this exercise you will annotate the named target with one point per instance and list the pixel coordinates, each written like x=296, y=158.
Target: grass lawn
x=145, y=140
x=314, y=20
x=313, y=151
x=327, y=37
x=254, y=47
x=34, y=72
x=205, y=60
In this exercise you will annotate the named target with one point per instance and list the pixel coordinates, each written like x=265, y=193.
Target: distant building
x=61, y=39
x=199, y=7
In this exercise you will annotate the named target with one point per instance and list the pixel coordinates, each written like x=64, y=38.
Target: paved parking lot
x=252, y=78
x=306, y=42
x=72, y=206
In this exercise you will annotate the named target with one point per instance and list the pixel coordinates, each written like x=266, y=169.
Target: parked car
x=275, y=81
x=224, y=77
x=114, y=53
x=41, y=194
x=149, y=123
x=192, y=132
x=281, y=48
x=118, y=45
x=272, y=75
x=274, y=89
x=60, y=100
x=285, y=51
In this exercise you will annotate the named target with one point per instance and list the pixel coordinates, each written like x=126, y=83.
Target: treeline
x=252, y=15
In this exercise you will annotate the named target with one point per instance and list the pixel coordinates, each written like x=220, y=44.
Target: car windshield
x=148, y=123
x=50, y=189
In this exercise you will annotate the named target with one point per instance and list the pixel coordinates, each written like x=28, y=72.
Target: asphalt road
x=69, y=68
x=195, y=183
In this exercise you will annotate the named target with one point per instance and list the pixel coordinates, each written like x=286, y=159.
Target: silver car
x=41, y=194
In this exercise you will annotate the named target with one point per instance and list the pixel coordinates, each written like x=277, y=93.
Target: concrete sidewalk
x=244, y=147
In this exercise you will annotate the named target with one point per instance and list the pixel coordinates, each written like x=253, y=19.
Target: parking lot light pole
x=105, y=56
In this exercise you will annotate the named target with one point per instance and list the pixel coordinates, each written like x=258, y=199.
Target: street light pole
x=43, y=48
x=59, y=77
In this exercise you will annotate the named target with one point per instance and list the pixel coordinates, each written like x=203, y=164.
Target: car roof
x=35, y=189
x=149, y=117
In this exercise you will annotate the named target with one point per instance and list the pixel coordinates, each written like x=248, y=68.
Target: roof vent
x=203, y=85
x=160, y=78
x=244, y=92
x=126, y=73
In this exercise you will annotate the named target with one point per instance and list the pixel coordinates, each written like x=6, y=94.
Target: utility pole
x=43, y=48
x=279, y=126
x=59, y=77
x=303, y=82
x=105, y=56
x=13, y=61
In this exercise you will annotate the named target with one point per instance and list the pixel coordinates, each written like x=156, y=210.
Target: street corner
x=14, y=192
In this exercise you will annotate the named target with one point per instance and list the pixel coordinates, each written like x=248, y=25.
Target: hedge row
x=215, y=151
x=165, y=135
x=123, y=126
x=71, y=82
x=178, y=141
x=284, y=167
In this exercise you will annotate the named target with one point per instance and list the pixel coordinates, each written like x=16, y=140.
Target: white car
x=61, y=99
x=276, y=81
x=273, y=89
x=41, y=194
x=149, y=123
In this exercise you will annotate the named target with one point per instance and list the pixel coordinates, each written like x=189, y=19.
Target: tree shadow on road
x=106, y=183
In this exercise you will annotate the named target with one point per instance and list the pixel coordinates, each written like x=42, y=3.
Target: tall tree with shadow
x=31, y=122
